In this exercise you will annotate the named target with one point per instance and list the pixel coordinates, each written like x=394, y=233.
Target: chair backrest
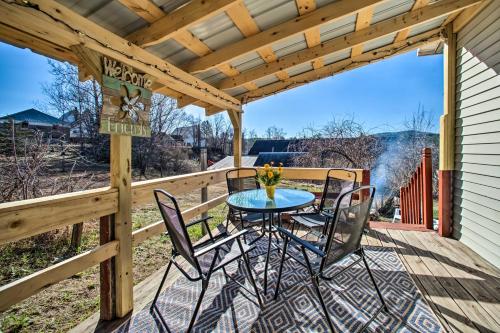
x=345, y=181
x=346, y=231
x=175, y=226
x=242, y=179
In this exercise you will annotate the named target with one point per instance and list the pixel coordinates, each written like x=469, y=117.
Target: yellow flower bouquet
x=270, y=177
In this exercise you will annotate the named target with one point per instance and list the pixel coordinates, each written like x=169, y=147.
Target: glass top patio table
x=257, y=200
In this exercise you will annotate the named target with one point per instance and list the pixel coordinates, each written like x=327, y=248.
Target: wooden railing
x=23, y=219
x=416, y=195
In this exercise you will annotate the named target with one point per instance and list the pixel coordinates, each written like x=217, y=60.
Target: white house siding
x=476, y=194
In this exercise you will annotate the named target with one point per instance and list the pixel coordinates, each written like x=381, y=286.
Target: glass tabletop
x=257, y=200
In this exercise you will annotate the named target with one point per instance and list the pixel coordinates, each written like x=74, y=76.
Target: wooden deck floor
x=462, y=288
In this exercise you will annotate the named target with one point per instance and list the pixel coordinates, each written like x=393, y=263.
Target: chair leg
x=204, y=287
x=161, y=284
x=374, y=282
x=252, y=280
x=315, y=282
x=280, y=271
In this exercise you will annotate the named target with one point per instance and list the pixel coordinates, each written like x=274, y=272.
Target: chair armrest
x=205, y=219
x=301, y=242
x=327, y=214
x=219, y=243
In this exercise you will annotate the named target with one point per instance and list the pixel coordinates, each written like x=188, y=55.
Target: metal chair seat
x=310, y=220
x=228, y=253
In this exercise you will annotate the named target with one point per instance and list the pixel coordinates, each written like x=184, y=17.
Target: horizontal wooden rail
x=18, y=290
x=142, y=192
x=317, y=174
x=22, y=219
x=157, y=228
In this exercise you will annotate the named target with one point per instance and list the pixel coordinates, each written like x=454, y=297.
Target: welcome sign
x=126, y=100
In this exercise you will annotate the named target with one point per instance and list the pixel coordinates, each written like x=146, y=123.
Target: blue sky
x=380, y=96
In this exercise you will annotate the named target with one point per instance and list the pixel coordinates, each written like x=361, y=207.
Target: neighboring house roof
x=228, y=162
x=266, y=146
x=69, y=117
x=33, y=117
x=277, y=157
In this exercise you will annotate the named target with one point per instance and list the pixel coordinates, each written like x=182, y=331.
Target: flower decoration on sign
x=131, y=106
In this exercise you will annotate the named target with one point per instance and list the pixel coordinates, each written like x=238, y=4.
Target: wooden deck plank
x=474, y=311
x=387, y=241
x=483, y=287
x=372, y=238
x=455, y=317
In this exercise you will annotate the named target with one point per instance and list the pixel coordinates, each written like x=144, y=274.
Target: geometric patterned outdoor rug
x=351, y=300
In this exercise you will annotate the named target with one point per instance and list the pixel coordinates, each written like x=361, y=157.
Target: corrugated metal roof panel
x=426, y=26
x=266, y=80
x=270, y=13
x=338, y=28
x=290, y=45
x=172, y=51
x=336, y=56
x=299, y=69
x=321, y=3
x=379, y=42
x=170, y=5
x=247, y=62
x=217, y=31
x=236, y=91
x=209, y=73
x=391, y=8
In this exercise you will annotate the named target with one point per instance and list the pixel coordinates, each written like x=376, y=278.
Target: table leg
x=271, y=217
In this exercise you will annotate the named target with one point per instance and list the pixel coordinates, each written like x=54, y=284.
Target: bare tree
x=164, y=118
x=66, y=93
x=340, y=143
x=218, y=133
x=275, y=133
x=406, y=152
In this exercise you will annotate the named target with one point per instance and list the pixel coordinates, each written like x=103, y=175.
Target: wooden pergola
x=219, y=55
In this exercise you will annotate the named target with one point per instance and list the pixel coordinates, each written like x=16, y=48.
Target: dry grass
x=62, y=306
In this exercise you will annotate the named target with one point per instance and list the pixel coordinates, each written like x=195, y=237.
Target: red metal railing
x=416, y=196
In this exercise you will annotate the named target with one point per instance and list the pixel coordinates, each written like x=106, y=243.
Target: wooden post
x=107, y=276
x=204, y=190
x=236, y=120
x=365, y=180
x=427, y=188
x=121, y=167
x=447, y=134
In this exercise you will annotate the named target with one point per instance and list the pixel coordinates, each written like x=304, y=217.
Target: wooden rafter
x=403, y=34
x=363, y=21
x=146, y=9
x=343, y=65
x=59, y=25
x=44, y=47
x=183, y=18
x=380, y=29
x=312, y=35
x=323, y=15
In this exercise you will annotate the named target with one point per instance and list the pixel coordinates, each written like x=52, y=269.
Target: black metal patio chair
x=239, y=180
x=343, y=240
x=206, y=257
x=334, y=187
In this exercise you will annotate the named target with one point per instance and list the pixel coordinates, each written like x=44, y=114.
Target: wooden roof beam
x=468, y=14
x=181, y=19
x=403, y=34
x=344, y=65
x=61, y=26
x=323, y=15
x=362, y=21
x=146, y=9
x=380, y=29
